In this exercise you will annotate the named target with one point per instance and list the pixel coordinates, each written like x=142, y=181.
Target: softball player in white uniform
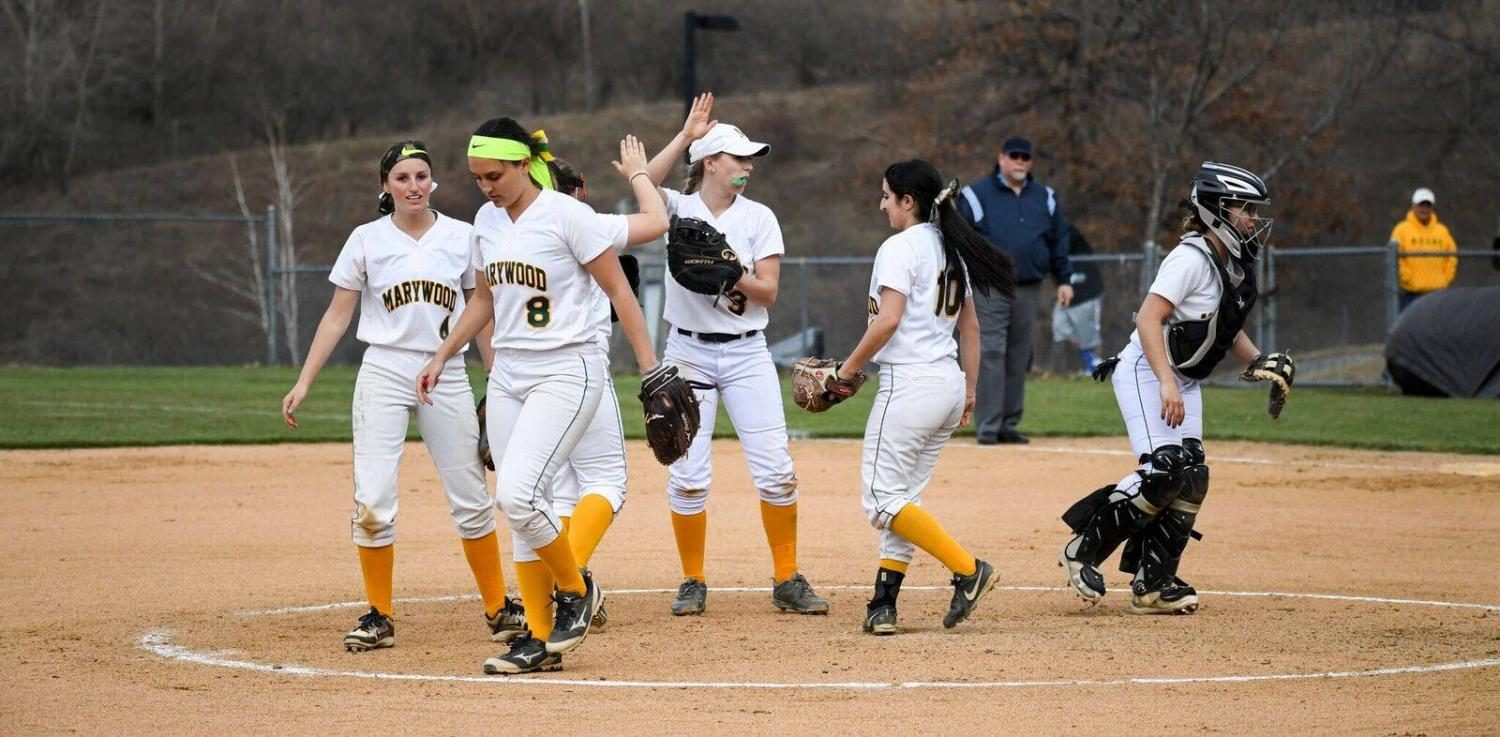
x=1189, y=321
x=720, y=345
x=589, y=490
x=918, y=294
x=409, y=272
x=538, y=254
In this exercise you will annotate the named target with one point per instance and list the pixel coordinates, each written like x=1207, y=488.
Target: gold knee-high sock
x=591, y=519
x=894, y=565
x=378, y=567
x=916, y=525
x=535, y=582
x=483, y=554
x=781, y=533
x=558, y=555
x=691, y=531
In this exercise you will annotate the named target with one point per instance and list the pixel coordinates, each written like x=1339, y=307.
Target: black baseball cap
x=1016, y=145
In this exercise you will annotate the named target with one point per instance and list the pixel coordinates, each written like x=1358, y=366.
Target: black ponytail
x=986, y=268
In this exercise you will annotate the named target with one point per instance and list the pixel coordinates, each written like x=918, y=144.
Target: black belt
x=716, y=337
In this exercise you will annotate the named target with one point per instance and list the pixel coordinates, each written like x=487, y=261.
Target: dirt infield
x=187, y=590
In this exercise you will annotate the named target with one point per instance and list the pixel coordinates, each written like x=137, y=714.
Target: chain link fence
x=163, y=289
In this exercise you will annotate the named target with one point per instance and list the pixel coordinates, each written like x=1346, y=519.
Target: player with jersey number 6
x=1190, y=320
x=409, y=274
x=719, y=341
x=538, y=254
x=919, y=291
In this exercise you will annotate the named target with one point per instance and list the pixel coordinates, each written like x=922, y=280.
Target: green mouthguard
x=740, y=181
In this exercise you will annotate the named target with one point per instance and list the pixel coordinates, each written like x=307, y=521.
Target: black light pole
x=693, y=22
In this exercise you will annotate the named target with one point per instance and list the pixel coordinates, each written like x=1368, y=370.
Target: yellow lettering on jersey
x=516, y=272
x=419, y=290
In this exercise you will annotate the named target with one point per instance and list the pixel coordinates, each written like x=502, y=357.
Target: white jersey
x=535, y=269
x=752, y=231
x=411, y=291
x=1190, y=283
x=617, y=229
x=912, y=262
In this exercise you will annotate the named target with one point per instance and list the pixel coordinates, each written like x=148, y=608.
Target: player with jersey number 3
x=408, y=272
x=1191, y=319
x=719, y=341
x=919, y=292
x=538, y=254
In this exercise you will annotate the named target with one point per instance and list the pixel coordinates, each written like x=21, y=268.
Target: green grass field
x=97, y=407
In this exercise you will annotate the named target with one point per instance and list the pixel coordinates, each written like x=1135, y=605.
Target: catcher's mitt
x=700, y=259
x=484, y=438
x=671, y=413
x=816, y=384
x=1278, y=369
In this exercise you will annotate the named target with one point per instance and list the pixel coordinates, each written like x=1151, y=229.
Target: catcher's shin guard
x=1115, y=519
x=1154, y=554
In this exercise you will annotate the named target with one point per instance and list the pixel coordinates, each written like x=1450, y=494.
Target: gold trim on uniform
x=516, y=272
x=419, y=290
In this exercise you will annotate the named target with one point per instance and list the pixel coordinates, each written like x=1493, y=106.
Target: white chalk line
x=159, y=642
x=849, y=587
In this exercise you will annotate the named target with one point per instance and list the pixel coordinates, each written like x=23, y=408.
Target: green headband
x=410, y=151
x=505, y=149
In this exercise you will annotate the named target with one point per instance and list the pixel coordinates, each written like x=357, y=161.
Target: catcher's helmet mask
x=1219, y=187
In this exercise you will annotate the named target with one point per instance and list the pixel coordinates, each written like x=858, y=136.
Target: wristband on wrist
x=639, y=174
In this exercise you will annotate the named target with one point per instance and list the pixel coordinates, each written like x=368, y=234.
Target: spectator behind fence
x=1421, y=232
x=1078, y=323
x=1020, y=216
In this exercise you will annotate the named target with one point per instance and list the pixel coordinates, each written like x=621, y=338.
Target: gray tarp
x=1449, y=341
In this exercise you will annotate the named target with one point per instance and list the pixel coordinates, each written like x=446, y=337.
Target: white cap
x=724, y=138
x=1423, y=195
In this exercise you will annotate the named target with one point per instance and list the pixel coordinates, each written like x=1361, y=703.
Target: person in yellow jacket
x=1421, y=232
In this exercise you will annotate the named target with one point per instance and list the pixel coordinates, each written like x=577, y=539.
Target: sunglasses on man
x=1018, y=156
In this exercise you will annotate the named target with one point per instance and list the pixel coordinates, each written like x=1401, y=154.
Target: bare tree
x=245, y=278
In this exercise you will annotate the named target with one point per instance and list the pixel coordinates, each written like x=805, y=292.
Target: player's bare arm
x=1149, y=322
x=1244, y=349
x=652, y=221
x=968, y=356
x=606, y=271
x=697, y=124
x=878, y=332
x=477, y=314
x=330, y=329
x=763, y=284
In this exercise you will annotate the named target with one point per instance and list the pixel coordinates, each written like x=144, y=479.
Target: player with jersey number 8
x=919, y=292
x=538, y=255
x=719, y=342
x=409, y=274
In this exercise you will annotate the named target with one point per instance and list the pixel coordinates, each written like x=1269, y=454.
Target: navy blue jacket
x=1030, y=226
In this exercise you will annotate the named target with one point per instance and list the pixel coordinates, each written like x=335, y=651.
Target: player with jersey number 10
x=919, y=292
x=409, y=274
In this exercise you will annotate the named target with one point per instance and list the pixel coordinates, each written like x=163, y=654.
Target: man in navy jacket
x=1022, y=217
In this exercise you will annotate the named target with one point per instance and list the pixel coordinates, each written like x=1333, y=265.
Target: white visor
x=724, y=138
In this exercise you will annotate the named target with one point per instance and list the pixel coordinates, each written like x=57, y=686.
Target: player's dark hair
x=509, y=128
x=565, y=178
x=390, y=159
x=988, y=268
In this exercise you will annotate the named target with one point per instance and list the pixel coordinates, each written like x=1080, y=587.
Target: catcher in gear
x=817, y=385
x=1191, y=319
x=919, y=293
x=700, y=259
